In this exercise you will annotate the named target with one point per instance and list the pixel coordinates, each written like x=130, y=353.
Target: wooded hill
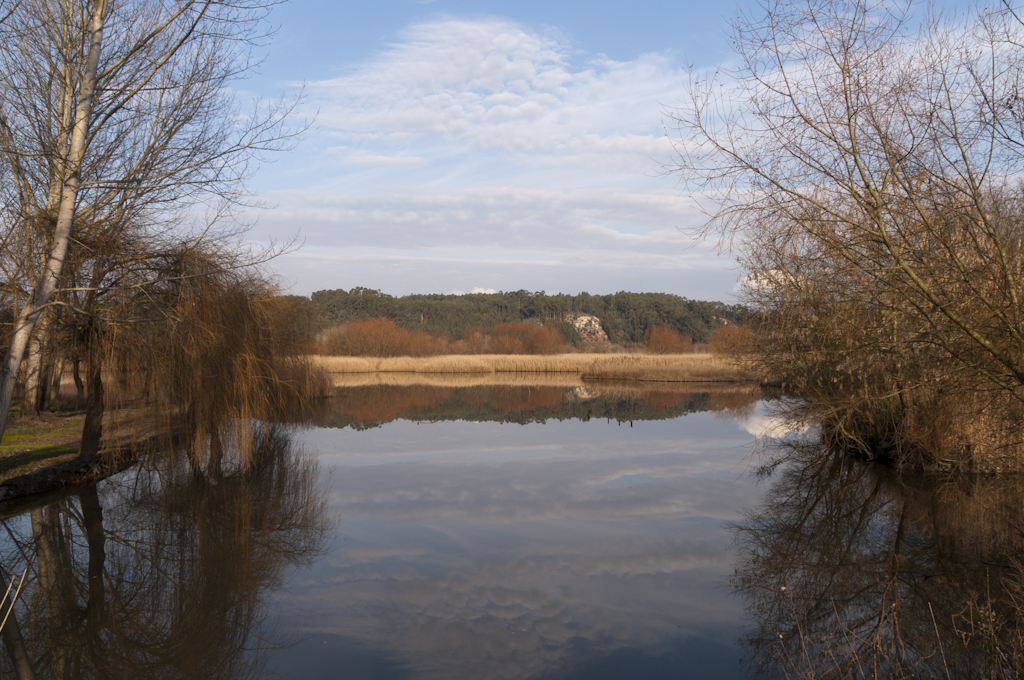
x=625, y=317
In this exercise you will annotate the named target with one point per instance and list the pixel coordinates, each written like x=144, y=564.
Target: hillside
x=625, y=317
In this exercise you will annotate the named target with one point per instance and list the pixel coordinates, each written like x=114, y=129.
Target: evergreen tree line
x=625, y=317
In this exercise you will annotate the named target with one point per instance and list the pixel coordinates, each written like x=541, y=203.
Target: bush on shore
x=383, y=338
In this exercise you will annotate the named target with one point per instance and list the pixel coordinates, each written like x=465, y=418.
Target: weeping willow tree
x=195, y=341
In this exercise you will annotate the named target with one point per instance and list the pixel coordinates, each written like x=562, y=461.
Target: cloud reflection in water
x=500, y=550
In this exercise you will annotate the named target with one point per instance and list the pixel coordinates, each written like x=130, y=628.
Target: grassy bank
x=40, y=455
x=635, y=367
x=32, y=444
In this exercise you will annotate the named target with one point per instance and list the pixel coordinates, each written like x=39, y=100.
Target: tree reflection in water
x=163, y=572
x=851, y=571
x=368, y=406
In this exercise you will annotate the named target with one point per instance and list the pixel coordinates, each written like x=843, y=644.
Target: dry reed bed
x=455, y=380
x=654, y=367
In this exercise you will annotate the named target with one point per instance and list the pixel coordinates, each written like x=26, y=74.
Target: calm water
x=512, y=532
x=564, y=549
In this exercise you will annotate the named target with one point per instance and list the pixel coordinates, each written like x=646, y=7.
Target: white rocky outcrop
x=589, y=327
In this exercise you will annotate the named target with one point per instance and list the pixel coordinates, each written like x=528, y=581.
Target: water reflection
x=574, y=549
x=851, y=571
x=162, y=572
x=581, y=548
x=370, y=406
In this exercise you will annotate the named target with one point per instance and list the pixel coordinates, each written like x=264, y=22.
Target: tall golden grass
x=411, y=379
x=645, y=367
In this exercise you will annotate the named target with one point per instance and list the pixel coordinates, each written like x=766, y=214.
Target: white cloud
x=487, y=291
x=506, y=217
x=483, y=151
x=495, y=84
x=363, y=157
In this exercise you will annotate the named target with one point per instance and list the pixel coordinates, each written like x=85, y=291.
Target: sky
x=461, y=146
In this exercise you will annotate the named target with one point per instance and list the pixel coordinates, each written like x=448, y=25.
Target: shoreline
x=501, y=367
x=616, y=372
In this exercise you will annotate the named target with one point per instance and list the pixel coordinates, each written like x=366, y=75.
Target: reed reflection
x=367, y=406
x=164, y=572
x=851, y=571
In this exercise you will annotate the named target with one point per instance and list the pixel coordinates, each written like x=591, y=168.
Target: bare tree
x=866, y=166
x=117, y=119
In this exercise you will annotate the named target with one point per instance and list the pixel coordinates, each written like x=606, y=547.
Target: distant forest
x=625, y=317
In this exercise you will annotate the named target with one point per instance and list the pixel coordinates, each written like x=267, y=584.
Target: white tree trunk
x=47, y=283
x=35, y=369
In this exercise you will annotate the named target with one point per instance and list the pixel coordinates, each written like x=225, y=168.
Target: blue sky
x=463, y=146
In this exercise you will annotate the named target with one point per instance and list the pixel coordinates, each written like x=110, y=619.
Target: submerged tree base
x=33, y=487
x=948, y=431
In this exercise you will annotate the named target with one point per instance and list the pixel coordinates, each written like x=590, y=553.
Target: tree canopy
x=865, y=163
x=625, y=317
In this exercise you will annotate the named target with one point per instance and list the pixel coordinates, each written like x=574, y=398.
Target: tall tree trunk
x=92, y=431
x=55, y=370
x=76, y=372
x=36, y=367
x=33, y=367
x=47, y=283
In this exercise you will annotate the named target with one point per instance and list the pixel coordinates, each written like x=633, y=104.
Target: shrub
x=730, y=339
x=524, y=338
x=383, y=338
x=662, y=340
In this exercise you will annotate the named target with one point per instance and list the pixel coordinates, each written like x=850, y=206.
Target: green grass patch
x=33, y=443
x=13, y=437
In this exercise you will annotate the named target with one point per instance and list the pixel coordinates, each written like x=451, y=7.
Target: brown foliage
x=524, y=338
x=297, y=321
x=662, y=340
x=204, y=350
x=877, y=208
x=382, y=338
x=730, y=339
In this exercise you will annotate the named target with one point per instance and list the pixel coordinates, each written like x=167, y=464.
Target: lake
x=565, y=548
x=510, y=531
